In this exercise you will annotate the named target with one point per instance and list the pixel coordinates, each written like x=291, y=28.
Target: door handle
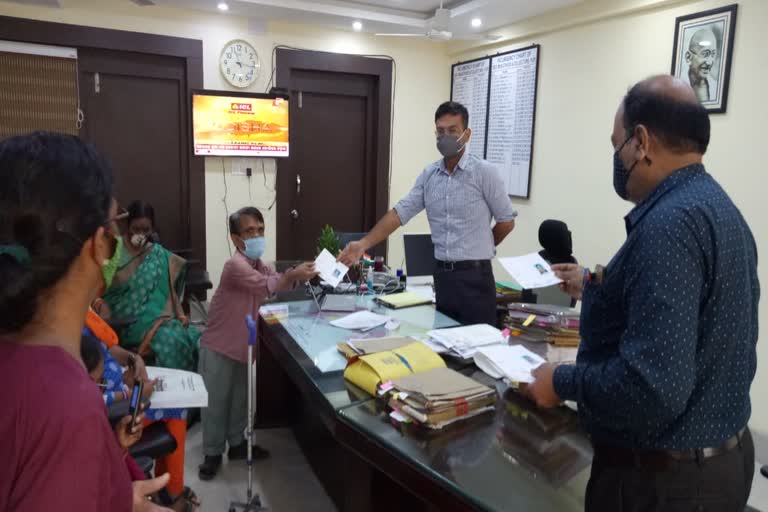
x=294, y=214
x=298, y=184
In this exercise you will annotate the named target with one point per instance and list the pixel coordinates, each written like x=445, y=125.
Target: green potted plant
x=329, y=240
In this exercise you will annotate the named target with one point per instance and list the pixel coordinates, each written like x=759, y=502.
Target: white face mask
x=138, y=240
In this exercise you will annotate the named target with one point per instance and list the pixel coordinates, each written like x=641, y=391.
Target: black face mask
x=620, y=173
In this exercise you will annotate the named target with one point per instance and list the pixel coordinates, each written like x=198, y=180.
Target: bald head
x=669, y=109
x=670, y=87
x=703, y=39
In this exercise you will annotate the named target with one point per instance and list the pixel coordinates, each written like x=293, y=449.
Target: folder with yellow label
x=403, y=300
x=371, y=370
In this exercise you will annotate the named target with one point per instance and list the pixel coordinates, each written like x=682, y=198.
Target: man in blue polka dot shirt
x=669, y=327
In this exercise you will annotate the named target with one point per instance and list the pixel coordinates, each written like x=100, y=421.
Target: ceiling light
x=223, y=6
x=476, y=22
x=357, y=26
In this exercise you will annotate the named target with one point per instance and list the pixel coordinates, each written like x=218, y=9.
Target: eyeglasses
x=707, y=54
x=110, y=229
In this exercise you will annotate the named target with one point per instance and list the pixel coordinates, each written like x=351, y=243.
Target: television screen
x=228, y=124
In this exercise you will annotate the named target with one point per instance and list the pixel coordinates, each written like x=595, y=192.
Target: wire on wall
x=226, y=208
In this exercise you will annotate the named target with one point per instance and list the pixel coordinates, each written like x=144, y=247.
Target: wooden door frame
x=190, y=50
x=381, y=70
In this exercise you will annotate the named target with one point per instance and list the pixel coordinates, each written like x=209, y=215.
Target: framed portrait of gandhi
x=702, y=54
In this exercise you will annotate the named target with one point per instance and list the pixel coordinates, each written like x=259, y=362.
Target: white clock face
x=239, y=63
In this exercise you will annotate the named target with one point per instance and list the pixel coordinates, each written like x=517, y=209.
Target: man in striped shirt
x=461, y=194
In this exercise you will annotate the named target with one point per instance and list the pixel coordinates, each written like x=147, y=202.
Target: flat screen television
x=237, y=124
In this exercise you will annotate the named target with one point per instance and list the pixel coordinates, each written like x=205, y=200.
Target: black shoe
x=240, y=452
x=209, y=467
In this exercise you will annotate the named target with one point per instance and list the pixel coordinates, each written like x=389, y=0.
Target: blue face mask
x=255, y=247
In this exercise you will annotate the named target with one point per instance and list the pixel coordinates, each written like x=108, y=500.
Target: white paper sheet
x=361, y=320
x=425, y=291
x=177, y=389
x=331, y=271
x=514, y=362
x=464, y=341
x=530, y=271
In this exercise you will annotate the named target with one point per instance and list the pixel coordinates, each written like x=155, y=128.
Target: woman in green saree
x=147, y=287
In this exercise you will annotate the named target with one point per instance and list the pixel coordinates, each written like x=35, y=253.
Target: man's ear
x=643, y=138
x=236, y=241
x=688, y=56
x=468, y=135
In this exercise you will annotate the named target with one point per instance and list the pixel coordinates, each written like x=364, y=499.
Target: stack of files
x=464, y=341
x=403, y=300
x=369, y=371
x=440, y=397
x=556, y=325
x=512, y=363
x=508, y=290
x=361, y=347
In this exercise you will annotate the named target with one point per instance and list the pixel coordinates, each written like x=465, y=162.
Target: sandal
x=187, y=501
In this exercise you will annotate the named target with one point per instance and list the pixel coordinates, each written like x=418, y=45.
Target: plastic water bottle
x=369, y=279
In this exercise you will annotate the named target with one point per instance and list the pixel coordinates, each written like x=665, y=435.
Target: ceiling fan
x=438, y=29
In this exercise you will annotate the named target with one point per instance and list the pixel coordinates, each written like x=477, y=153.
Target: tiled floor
x=285, y=482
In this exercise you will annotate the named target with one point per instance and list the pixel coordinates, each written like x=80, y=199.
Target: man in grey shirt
x=461, y=194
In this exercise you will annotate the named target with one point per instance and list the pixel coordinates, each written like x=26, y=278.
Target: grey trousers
x=225, y=418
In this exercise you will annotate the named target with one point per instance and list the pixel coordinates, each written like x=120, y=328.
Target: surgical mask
x=138, y=240
x=109, y=268
x=621, y=173
x=255, y=247
x=449, y=145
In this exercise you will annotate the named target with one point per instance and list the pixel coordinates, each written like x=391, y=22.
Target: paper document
x=530, y=271
x=362, y=320
x=177, y=389
x=514, y=363
x=464, y=341
x=425, y=291
x=331, y=271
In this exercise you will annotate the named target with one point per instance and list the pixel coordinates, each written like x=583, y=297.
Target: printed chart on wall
x=509, y=96
x=469, y=86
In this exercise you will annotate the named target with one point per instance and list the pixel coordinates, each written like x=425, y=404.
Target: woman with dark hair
x=147, y=287
x=58, y=252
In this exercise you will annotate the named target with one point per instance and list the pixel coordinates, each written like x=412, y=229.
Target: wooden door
x=135, y=113
x=339, y=166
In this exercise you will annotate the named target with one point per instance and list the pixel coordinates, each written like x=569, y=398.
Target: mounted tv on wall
x=227, y=123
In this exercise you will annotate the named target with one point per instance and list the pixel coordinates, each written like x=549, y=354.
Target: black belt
x=613, y=456
x=450, y=266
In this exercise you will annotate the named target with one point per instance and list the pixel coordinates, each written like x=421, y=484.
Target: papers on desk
x=177, y=389
x=331, y=271
x=464, y=341
x=361, y=320
x=360, y=347
x=424, y=291
x=513, y=363
x=530, y=271
x=369, y=371
x=403, y=300
x=439, y=397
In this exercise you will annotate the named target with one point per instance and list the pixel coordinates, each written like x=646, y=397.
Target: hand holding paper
x=331, y=271
x=530, y=271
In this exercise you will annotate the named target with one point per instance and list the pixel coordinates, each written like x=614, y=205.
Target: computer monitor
x=346, y=238
x=419, y=258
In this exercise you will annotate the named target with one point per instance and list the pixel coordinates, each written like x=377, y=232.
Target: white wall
x=422, y=83
x=584, y=72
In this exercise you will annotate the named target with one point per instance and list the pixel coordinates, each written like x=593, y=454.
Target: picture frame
x=703, y=53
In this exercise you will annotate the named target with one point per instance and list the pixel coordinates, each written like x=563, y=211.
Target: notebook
x=403, y=300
